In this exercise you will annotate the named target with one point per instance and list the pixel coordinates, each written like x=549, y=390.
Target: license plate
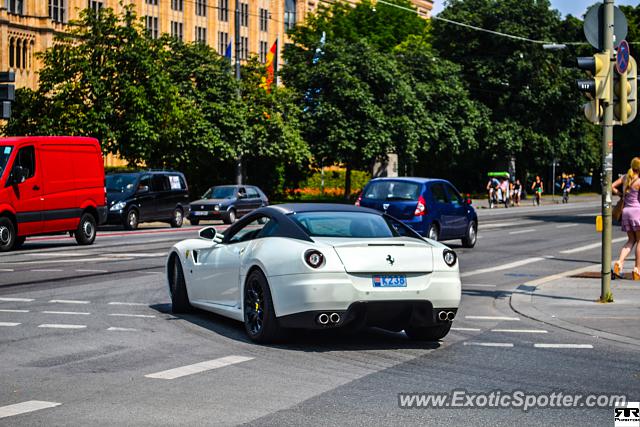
x=200, y=213
x=389, y=281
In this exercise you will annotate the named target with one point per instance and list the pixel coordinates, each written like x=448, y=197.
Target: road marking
x=7, y=270
x=589, y=214
x=498, y=225
x=563, y=345
x=521, y=331
x=466, y=329
x=16, y=299
x=61, y=326
x=198, y=367
x=480, y=285
x=69, y=301
x=66, y=312
x=152, y=272
x=505, y=266
x=567, y=225
x=141, y=255
x=132, y=315
x=9, y=324
x=7, y=310
x=126, y=303
x=113, y=328
x=24, y=407
x=491, y=318
x=57, y=254
x=48, y=270
x=92, y=271
x=591, y=246
x=489, y=344
x=529, y=230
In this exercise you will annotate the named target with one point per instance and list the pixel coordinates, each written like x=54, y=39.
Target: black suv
x=227, y=202
x=138, y=197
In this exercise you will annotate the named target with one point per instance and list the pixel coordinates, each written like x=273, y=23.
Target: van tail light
x=421, y=207
x=359, y=199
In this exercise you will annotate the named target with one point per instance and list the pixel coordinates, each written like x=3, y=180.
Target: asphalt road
x=86, y=337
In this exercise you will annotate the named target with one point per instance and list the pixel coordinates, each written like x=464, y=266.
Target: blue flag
x=227, y=52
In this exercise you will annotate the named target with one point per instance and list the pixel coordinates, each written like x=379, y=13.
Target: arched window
x=289, y=14
x=18, y=53
x=12, y=61
x=24, y=54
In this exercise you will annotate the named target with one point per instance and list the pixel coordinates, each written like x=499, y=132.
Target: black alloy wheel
x=259, y=316
x=178, y=288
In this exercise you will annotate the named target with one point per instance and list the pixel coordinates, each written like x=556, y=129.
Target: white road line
x=543, y=345
x=24, y=407
x=66, y=312
x=567, y=225
x=57, y=254
x=591, y=246
x=141, y=255
x=528, y=230
x=489, y=344
x=61, y=326
x=151, y=272
x=9, y=324
x=521, y=331
x=6, y=270
x=198, y=367
x=504, y=266
x=92, y=271
x=478, y=285
x=498, y=225
x=491, y=318
x=113, y=328
x=7, y=310
x=48, y=270
x=466, y=329
x=16, y=299
x=132, y=315
x=589, y=214
x=69, y=301
x=126, y=303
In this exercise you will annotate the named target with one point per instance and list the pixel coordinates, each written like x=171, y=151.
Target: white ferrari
x=318, y=266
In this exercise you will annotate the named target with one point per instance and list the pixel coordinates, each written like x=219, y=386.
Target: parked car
x=227, y=202
x=147, y=196
x=50, y=185
x=432, y=207
x=317, y=266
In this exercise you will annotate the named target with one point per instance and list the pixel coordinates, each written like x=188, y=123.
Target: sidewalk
x=547, y=200
x=569, y=301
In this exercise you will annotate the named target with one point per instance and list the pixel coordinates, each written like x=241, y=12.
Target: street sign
x=622, y=57
x=594, y=24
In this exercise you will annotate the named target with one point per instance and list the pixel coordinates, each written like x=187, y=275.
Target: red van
x=52, y=184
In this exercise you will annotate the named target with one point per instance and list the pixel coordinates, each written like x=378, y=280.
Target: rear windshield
x=121, y=183
x=392, y=190
x=220, y=193
x=5, y=152
x=345, y=224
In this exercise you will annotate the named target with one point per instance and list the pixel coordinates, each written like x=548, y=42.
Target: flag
x=227, y=52
x=272, y=67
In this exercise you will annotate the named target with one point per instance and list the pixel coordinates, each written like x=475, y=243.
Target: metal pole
x=237, y=66
x=607, y=159
x=553, y=180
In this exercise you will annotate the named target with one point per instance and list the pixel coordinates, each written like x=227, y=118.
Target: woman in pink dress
x=630, y=215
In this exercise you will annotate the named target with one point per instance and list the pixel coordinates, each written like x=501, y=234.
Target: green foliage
x=334, y=178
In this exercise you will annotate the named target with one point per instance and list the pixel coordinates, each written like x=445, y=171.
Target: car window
x=344, y=224
x=251, y=230
x=27, y=159
x=392, y=190
x=160, y=183
x=5, y=153
x=437, y=190
x=454, y=196
x=252, y=193
x=145, y=181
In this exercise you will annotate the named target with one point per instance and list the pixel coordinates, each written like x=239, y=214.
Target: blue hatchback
x=432, y=207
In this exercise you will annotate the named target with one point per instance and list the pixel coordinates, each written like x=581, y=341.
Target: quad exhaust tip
x=323, y=318
x=450, y=315
x=446, y=316
x=335, y=318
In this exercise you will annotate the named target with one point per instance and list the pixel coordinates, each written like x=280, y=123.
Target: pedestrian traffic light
x=597, y=88
x=7, y=93
x=625, y=90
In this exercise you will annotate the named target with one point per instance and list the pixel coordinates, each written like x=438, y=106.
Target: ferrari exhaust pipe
x=450, y=315
x=442, y=316
x=323, y=318
x=335, y=318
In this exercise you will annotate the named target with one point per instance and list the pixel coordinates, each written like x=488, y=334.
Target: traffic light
x=7, y=93
x=597, y=88
x=625, y=90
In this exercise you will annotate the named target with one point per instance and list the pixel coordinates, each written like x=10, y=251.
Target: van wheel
x=7, y=234
x=434, y=232
x=230, y=217
x=86, y=232
x=471, y=236
x=132, y=220
x=19, y=242
x=177, y=218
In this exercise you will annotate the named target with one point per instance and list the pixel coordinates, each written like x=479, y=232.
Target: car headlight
x=216, y=208
x=450, y=257
x=118, y=206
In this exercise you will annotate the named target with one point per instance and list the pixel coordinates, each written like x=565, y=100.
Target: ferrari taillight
x=421, y=208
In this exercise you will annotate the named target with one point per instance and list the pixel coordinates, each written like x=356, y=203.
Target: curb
x=521, y=301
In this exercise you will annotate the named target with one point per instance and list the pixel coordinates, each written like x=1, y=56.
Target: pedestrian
x=517, y=192
x=504, y=192
x=538, y=188
x=630, y=216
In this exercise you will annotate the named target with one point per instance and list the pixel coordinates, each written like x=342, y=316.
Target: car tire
x=19, y=242
x=7, y=234
x=178, y=288
x=260, y=320
x=177, y=218
x=194, y=221
x=230, y=217
x=427, y=333
x=471, y=236
x=434, y=232
x=85, y=234
x=132, y=220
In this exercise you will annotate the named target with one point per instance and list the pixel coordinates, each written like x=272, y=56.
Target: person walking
x=517, y=192
x=630, y=216
x=537, y=187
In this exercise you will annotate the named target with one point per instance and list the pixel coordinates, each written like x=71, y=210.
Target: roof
x=288, y=208
x=414, y=179
x=65, y=139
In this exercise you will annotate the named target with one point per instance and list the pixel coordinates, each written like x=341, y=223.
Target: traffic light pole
x=607, y=159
